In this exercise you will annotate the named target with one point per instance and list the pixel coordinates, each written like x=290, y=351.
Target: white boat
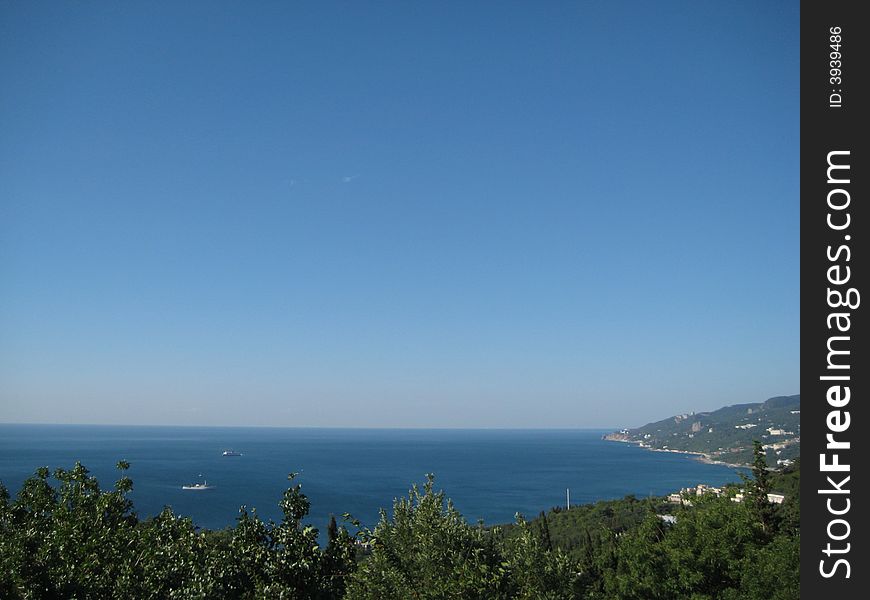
x=231, y=453
x=198, y=486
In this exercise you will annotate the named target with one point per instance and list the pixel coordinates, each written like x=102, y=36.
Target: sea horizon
x=336, y=427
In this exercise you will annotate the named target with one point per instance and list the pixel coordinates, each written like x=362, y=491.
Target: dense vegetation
x=74, y=540
x=727, y=434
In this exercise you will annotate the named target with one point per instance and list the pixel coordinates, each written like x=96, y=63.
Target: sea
x=490, y=474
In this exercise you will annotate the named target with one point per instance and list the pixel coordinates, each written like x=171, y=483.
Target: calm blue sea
x=489, y=474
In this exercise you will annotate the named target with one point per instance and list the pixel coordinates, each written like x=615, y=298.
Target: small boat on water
x=231, y=453
x=203, y=485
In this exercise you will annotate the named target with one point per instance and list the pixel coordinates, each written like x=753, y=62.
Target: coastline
x=699, y=456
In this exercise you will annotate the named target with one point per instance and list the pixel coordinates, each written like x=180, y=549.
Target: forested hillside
x=727, y=434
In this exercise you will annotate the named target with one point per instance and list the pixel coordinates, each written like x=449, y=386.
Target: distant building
x=776, y=447
x=773, y=498
x=707, y=489
x=699, y=490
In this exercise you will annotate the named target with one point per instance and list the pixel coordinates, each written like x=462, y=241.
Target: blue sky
x=397, y=214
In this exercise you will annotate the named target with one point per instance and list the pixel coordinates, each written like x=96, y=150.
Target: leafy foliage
x=427, y=551
x=78, y=541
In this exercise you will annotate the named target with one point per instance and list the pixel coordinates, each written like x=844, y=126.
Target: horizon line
x=374, y=427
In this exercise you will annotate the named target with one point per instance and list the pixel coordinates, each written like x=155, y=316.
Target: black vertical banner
x=835, y=373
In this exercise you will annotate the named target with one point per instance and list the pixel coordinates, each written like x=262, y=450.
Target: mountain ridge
x=726, y=435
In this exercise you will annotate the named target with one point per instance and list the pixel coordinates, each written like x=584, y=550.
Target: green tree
x=78, y=541
x=642, y=566
x=544, y=526
x=758, y=488
x=427, y=550
x=772, y=571
x=537, y=572
x=332, y=530
x=66, y=542
x=284, y=560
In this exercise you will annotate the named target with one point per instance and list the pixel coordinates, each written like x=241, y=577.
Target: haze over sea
x=489, y=474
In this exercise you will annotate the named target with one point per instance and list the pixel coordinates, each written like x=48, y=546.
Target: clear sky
x=426, y=214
